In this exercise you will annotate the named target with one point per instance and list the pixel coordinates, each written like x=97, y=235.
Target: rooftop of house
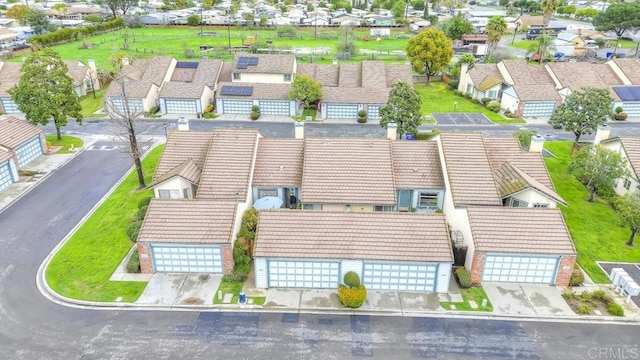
x=279, y=162
x=264, y=91
x=9, y=75
x=272, y=64
x=631, y=68
x=77, y=70
x=416, y=165
x=188, y=221
x=485, y=76
x=14, y=132
x=365, y=74
x=188, y=170
x=141, y=75
x=592, y=75
x=529, y=20
x=511, y=180
x=368, y=236
x=520, y=230
x=631, y=146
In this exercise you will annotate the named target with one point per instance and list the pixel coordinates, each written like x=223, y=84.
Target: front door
x=404, y=200
x=290, y=198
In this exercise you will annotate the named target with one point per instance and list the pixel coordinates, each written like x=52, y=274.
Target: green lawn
x=229, y=287
x=625, y=44
x=437, y=97
x=66, y=142
x=523, y=44
x=91, y=104
x=592, y=225
x=476, y=294
x=81, y=269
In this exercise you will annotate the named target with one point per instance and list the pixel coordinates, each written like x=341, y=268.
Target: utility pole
x=201, y=21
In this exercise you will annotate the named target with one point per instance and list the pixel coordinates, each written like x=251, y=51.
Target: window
x=169, y=194
x=267, y=192
x=428, y=200
x=627, y=184
x=347, y=208
x=491, y=94
x=312, y=207
x=469, y=89
x=185, y=193
x=236, y=76
x=540, y=205
x=287, y=77
x=383, y=208
x=518, y=203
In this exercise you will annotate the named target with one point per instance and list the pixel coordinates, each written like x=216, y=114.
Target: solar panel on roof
x=628, y=93
x=253, y=61
x=187, y=65
x=242, y=65
x=226, y=90
x=236, y=90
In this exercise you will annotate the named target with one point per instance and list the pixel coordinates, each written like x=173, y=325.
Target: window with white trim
x=428, y=200
x=492, y=94
x=347, y=208
x=312, y=207
x=627, y=184
x=386, y=208
x=469, y=89
x=169, y=194
x=267, y=192
x=518, y=203
x=287, y=77
x=186, y=193
x=236, y=76
x=540, y=205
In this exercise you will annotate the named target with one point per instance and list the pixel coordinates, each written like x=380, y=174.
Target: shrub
x=255, y=108
x=154, y=109
x=475, y=101
x=464, y=278
x=620, y=116
x=133, y=230
x=133, y=265
x=209, y=108
x=144, y=202
x=485, y=101
x=614, y=309
x=426, y=135
x=584, y=309
x=250, y=219
x=362, y=120
x=233, y=278
x=457, y=93
x=362, y=113
x=601, y=295
x=210, y=115
x=255, y=115
x=351, y=279
x=141, y=213
x=577, y=277
x=468, y=96
x=619, y=109
x=453, y=84
x=493, y=106
x=362, y=116
x=352, y=297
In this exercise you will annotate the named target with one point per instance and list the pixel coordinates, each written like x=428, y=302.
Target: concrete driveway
x=527, y=299
x=180, y=289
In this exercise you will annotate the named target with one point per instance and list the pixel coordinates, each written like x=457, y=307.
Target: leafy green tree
x=464, y=59
x=543, y=46
x=38, y=21
x=455, y=27
x=45, y=91
x=496, y=27
x=627, y=208
x=597, y=168
x=306, y=90
x=582, y=112
x=418, y=5
x=429, y=52
x=120, y=6
x=586, y=13
x=402, y=108
x=18, y=12
x=193, y=20
x=398, y=10
x=548, y=8
x=619, y=18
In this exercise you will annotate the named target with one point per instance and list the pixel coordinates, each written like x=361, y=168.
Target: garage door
x=521, y=269
x=631, y=108
x=191, y=259
x=401, y=277
x=5, y=175
x=275, y=108
x=135, y=105
x=181, y=106
x=236, y=106
x=337, y=111
x=9, y=107
x=374, y=112
x=304, y=274
x=538, y=108
x=29, y=151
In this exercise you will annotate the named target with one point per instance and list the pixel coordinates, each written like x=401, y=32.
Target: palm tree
x=548, y=8
x=496, y=27
x=542, y=46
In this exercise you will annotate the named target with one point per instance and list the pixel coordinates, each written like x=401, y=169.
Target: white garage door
x=337, y=111
x=304, y=274
x=29, y=151
x=631, y=108
x=5, y=175
x=191, y=259
x=538, y=108
x=520, y=269
x=135, y=105
x=274, y=108
x=374, y=112
x=10, y=107
x=236, y=107
x=399, y=276
x=181, y=106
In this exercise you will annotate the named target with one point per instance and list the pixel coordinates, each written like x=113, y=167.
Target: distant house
x=157, y=19
x=8, y=38
x=532, y=22
x=20, y=144
x=629, y=148
x=191, y=87
x=379, y=20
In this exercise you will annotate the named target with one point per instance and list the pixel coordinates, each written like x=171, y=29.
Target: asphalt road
x=31, y=327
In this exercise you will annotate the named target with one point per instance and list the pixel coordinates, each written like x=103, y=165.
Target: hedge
x=133, y=265
x=352, y=297
x=67, y=34
x=464, y=279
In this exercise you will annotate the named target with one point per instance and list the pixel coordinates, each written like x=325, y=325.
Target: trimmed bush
x=154, y=110
x=584, y=309
x=133, y=230
x=577, y=277
x=133, y=265
x=351, y=279
x=255, y=108
x=485, y=101
x=453, y=84
x=362, y=116
x=255, y=115
x=352, y=297
x=493, y=106
x=426, y=135
x=619, y=109
x=250, y=219
x=620, y=116
x=464, y=278
x=142, y=212
x=614, y=309
x=233, y=278
x=144, y=202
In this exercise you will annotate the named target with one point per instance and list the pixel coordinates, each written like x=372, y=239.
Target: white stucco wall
x=260, y=269
x=351, y=265
x=151, y=99
x=616, y=145
x=509, y=101
x=532, y=197
x=174, y=183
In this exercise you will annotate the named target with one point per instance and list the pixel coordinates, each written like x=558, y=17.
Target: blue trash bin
x=242, y=298
x=409, y=137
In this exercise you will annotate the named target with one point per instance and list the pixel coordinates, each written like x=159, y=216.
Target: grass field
x=475, y=294
x=82, y=267
x=593, y=226
x=66, y=142
x=91, y=104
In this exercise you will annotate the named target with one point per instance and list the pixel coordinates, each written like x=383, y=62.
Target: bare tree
x=124, y=113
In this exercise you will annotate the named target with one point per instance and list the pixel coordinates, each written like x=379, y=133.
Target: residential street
x=32, y=327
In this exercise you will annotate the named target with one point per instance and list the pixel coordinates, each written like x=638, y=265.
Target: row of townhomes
x=20, y=144
x=536, y=90
x=188, y=88
x=399, y=213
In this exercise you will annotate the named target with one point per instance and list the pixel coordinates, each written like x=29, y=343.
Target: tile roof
x=416, y=165
x=260, y=91
x=485, y=76
x=520, y=230
x=188, y=222
x=631, y=147
x=77, y=70
x=9, y=75
x=398, y=72
x=531, y=20
x=274, y=64
x=510, y=180
x=227, y=170
x=181, y=90
x=631, y=68
x=592, y=75
x=350, y=75
x=187, y=170
x=141, y=76
x=279, y=162
x=14, y=132
x=348, y=171
x=366, y=236
x=468, y=169
x=182, y=146
x=534, y=92
x=375, y=95
x=373, y=73
x=524, y=74
x=5, y=155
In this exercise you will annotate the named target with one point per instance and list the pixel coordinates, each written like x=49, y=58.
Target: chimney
x=537, y=143
x=92, y=65
x=462, y=85
x=602, y=133
x=392, y=131
x=299, y=129
x=183, y=124
x=125, y=61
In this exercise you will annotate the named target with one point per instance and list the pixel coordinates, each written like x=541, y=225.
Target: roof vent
x=281, y=167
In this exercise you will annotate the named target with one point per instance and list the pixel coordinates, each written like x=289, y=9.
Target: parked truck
x=551, y=31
